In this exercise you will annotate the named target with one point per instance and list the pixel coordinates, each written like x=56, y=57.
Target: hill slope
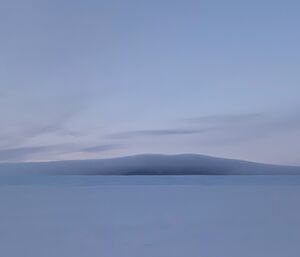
x=184, y=164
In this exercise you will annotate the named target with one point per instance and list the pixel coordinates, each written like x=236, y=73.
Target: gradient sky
x=105, y=78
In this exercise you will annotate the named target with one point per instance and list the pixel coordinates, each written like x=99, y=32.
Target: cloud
x=22, y=153
x=32, y=152
x=230, y=129
x=195, y=126
x=100, y=148
x=13, y=135
x=158, y=133
x=55, y=125
x=226, y=118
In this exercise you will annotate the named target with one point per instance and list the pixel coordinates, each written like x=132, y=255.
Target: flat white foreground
x=204, y=216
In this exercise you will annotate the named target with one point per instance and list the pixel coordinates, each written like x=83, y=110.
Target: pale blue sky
x=97, y=79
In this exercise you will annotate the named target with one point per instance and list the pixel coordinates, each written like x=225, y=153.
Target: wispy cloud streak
x=158, y=133
x=22, y=153
x=100, y=148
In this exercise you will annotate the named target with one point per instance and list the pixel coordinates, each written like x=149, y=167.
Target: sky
x=100, y=79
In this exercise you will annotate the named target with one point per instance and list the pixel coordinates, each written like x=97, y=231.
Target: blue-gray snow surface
x=146, y=216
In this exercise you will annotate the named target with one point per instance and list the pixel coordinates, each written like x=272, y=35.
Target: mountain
x=150, y=164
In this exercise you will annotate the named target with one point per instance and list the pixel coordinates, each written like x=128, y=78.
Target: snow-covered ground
x=94, y=216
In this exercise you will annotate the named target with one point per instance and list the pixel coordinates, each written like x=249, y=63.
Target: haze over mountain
x=151, y=164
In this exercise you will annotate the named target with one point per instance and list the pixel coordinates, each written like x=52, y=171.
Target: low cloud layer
x=215, y=132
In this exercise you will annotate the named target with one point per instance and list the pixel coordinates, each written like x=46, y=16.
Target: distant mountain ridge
x=151, y=164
